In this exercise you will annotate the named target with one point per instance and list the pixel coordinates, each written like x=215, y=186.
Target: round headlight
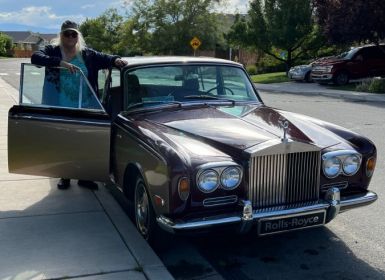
x=351, y=164
x=231, y=177
x=332, y=167
x=208, y=181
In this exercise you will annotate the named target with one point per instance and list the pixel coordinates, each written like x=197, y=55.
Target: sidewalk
x=46, y=233
x=316, y=89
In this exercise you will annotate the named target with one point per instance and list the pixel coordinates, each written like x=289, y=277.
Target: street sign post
x=195, y=43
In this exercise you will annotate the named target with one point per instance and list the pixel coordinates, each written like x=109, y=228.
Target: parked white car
x=301, y=73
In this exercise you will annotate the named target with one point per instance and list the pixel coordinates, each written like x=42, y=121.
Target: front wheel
x=144, y=214
x=145, y=219
x=341, y=78
x=308, y=78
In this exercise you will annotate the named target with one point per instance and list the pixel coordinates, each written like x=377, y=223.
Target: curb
x=149, y=262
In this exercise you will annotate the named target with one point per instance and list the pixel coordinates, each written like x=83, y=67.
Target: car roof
x=369, y=45
x=150, y=60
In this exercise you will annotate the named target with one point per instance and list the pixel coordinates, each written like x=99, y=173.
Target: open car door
x=58, y=129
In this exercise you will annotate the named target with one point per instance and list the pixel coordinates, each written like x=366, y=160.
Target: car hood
x=243, y=126
x=330, y=61
x=305, y=66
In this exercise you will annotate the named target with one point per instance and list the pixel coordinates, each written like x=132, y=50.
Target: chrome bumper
x=321, y=77
x=332, y=203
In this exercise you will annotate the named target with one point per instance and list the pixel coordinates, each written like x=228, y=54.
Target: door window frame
x=82, y=78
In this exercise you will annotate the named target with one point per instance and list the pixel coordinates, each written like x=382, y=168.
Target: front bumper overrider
x=332, y=204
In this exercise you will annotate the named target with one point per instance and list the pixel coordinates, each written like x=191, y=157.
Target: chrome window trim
x=130, y=68
x=58, y=120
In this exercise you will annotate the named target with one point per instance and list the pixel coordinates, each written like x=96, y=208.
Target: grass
x=278, y=77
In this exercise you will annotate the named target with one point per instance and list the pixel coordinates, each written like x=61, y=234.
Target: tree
x=167, y=26
x=130, y=41
x=350, y=21
x=283, y=29
x=103, y=33
x=5, y=44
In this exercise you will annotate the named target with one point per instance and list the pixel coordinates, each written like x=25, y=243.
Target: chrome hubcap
x=141, y=209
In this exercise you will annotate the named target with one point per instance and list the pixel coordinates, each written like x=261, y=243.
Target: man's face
x=69, y=38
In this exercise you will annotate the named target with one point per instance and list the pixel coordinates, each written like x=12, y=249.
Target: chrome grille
x=284, y=179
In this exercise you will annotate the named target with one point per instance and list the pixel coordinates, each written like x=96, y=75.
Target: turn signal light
x=370, y=166
x=184, y=188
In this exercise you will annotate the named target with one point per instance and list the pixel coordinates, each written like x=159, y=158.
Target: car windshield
x=348, y=54
x=169, y=84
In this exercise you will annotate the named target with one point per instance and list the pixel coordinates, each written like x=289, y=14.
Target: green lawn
x=269, y=78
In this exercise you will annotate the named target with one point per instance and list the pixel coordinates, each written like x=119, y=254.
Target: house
x=26, y=42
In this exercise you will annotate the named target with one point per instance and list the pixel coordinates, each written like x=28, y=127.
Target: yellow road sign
x=195, y=43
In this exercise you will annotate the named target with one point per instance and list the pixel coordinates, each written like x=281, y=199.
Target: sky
x=46, y=16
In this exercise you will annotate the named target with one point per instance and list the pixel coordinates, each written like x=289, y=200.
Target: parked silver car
x=301, y=73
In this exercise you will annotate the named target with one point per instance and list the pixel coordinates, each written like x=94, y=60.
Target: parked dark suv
x=360, y=62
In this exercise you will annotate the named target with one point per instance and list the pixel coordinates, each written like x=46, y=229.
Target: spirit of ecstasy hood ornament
x=284, y=124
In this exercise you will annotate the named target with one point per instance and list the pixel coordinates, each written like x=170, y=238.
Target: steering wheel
x=225, y=88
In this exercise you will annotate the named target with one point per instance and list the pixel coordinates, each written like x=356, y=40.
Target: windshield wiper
x=144, y=104
x=212, y=97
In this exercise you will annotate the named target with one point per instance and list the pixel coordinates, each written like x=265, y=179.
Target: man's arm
x=46, y=57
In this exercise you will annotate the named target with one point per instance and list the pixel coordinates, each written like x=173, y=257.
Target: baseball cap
x=69, y=25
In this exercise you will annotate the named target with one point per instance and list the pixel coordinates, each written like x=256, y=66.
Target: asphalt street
x=10, y=70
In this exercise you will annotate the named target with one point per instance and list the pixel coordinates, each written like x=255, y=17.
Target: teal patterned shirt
x=70, y=87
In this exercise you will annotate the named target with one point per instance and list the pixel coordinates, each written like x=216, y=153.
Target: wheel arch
x=131, y=174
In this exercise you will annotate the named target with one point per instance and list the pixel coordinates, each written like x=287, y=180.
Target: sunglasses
x=72, y=34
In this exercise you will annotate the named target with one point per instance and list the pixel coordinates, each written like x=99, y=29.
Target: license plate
x=280, y=224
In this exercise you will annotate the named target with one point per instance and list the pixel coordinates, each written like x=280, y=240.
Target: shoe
x=63, y=184
x=88, y=184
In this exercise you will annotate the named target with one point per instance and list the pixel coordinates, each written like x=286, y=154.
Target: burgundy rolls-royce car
x=191, y=144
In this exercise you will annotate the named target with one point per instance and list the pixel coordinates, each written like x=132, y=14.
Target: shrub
x=5, y=44
x=251, y=69
x=269, y=64
x=375, y=85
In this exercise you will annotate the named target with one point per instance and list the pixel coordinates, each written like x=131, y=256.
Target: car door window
x=56, y=87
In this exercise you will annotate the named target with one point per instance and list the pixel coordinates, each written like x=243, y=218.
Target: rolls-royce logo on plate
x=290, y=223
